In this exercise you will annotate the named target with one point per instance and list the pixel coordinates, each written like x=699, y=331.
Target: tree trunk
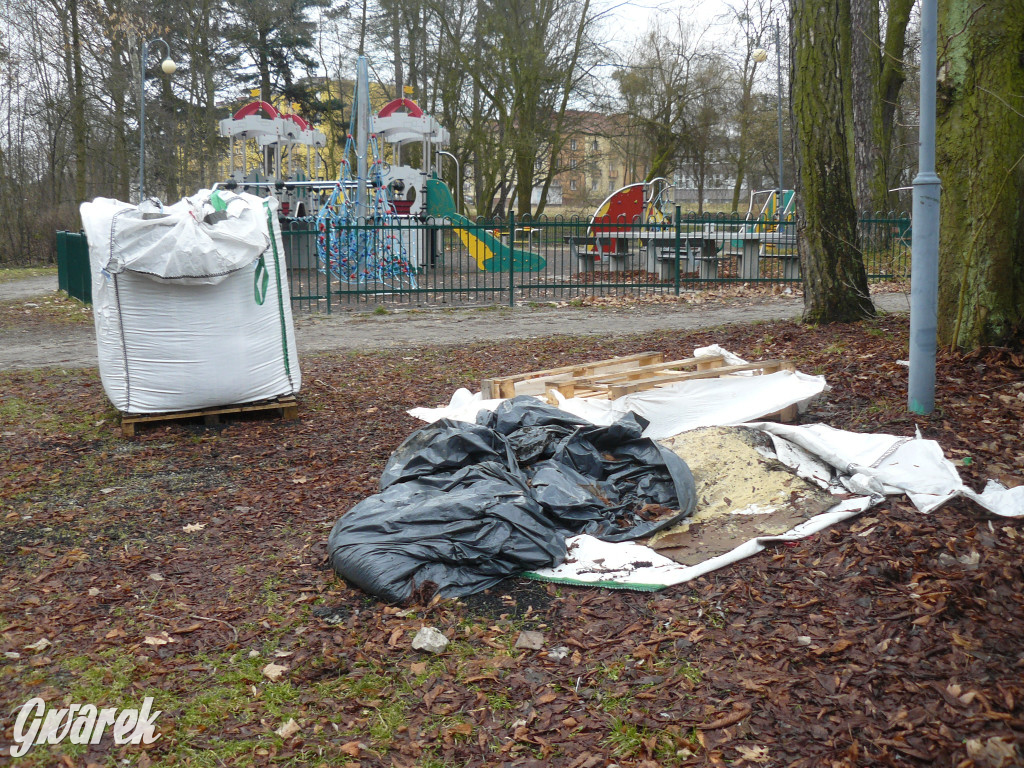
x=78, y=120
x=980, y=159
x=891, y=79
x=835, y=283
x=867, y=115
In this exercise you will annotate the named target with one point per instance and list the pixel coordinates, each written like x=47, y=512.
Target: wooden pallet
x=535, y=382
x=618, y=376
x=287, y=406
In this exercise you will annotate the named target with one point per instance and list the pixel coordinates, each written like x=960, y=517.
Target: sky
x=631, y=18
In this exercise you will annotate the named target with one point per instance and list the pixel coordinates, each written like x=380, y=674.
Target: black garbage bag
x=463, y=506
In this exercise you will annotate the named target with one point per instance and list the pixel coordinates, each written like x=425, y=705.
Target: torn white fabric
x=885, y=464
x=870, y=465
x=628, y=565
x=685, y=405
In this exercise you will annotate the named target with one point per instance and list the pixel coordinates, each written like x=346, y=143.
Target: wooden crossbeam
x=765, y=367
x=535, y=382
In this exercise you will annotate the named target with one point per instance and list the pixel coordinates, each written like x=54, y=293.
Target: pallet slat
x=616, y=377
x=536, y=381
x=765, y=367
x=288, y=406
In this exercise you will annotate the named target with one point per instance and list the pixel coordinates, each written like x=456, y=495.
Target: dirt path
x=41, y=345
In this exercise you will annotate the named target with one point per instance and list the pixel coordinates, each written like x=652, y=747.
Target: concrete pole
x=362, y=135
x=924, y=252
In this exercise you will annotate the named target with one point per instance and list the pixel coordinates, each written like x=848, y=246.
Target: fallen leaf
x=39, y=645
x=993, y=752
x=753, y=754
x=353, y=748
x=289, y=729
x=273, y=672
x=193, y=527
x=162, y=639
x=155, y=577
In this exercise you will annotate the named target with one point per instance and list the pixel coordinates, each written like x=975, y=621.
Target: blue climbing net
x=371, y=252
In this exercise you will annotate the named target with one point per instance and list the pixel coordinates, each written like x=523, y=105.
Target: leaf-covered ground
x=188, y=565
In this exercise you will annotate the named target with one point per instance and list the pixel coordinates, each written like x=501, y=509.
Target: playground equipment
x=419, y=191
x=357, y=229
x=775, y=220
x=489, y=252
x=616, y=218
x=640, y=214
x=401, y=122
x=368, y=229
x=279, y=140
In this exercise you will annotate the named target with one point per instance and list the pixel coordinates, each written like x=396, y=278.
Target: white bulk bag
x=191, y=305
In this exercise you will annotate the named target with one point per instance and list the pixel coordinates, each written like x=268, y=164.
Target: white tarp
x=868, y=466
x=875, y=465
x=673, y=408
x=191, y=305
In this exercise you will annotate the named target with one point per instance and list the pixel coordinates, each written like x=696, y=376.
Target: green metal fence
x=513, y=261
x=432, y=262
x=73, y=275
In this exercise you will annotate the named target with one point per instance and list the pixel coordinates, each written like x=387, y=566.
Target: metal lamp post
x=458, y=178
x=760, y=55
x=169, y=67
x=924, y=246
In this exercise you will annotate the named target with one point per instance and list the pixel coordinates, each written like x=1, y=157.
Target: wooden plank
x=505, y=386
x=766, y=366
x=644, y=371
x=288, y=406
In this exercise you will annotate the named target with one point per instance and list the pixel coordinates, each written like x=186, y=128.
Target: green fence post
x=327, y=260
x=511, y=258
x=62, y=267
x=678, y=243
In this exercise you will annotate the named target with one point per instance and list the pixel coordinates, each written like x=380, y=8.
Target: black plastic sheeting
x=463, y=506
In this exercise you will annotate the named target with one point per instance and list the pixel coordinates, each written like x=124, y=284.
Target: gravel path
x=74, y=346
x=27, y=288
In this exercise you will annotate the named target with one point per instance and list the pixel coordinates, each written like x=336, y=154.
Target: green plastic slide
x=490, y=254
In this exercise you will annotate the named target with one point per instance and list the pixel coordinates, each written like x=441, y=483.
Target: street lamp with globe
x=760, y=55
x=169, y=67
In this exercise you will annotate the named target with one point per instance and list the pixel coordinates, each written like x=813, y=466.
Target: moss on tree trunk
x=835, y=283
x=980, y=159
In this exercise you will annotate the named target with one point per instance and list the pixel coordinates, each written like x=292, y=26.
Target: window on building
x=593, y=184
x=597, y=146
x=572, y=185
x=572, y=164
x=572, y=144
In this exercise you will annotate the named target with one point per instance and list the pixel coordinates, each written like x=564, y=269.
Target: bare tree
x=667, y=76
